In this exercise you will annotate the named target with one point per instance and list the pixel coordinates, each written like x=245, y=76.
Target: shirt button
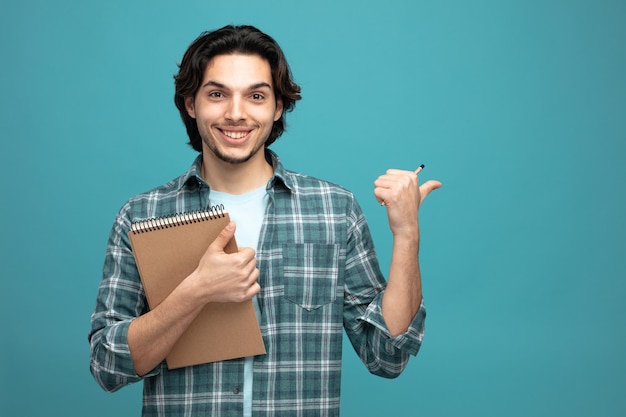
x=236, y=390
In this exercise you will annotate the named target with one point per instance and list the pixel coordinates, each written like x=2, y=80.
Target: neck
x=238, y=178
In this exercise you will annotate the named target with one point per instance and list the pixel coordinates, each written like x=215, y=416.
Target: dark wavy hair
x=228, y=40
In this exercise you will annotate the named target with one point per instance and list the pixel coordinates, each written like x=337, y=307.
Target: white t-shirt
x=247, y=211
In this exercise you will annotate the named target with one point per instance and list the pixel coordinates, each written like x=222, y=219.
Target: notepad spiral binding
x=178, y=219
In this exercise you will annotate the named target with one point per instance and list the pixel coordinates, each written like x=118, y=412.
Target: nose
x=236, y=109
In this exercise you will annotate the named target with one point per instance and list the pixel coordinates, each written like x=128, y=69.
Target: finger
x=429, y=186
x=254, y=289
x=379, y=193
x=401, y=185
x=247, y=254
x=254, y=276
x=396, y=187
x=223, y=237
x=249, y=276
x=249, y=264
x=394, y=176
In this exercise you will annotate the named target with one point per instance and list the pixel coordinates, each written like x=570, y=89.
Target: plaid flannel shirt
x=319, y=275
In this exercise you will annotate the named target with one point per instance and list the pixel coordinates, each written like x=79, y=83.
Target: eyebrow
x=255, y=86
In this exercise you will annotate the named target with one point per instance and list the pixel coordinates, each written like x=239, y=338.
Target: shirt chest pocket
x=311, y=274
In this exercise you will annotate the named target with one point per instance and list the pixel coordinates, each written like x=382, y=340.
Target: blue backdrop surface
x=519, y=108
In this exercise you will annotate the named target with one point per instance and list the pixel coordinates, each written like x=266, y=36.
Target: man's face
x=235, y=106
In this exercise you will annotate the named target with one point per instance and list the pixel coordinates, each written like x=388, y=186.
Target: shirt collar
x=193, y=174
x=281, y=175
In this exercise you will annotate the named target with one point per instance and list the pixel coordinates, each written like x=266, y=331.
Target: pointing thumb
x=428, y=187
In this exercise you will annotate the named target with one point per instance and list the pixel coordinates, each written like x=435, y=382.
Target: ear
x=189, y=105
x=279, y=109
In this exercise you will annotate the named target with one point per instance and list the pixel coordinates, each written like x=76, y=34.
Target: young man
x=313, y=272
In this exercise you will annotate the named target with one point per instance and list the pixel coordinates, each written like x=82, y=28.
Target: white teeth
x=235, y=135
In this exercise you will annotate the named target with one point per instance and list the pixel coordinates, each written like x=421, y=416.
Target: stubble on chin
x=232, y=159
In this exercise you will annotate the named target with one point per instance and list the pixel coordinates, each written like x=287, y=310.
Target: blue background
x=518, y=107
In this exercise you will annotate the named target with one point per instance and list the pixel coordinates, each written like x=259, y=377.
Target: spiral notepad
x=168, y=249
x=179, y=219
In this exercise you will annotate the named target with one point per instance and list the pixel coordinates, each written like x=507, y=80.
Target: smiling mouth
x=235, y=134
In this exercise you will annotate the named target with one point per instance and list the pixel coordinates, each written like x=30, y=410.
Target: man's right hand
x=226, y=277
